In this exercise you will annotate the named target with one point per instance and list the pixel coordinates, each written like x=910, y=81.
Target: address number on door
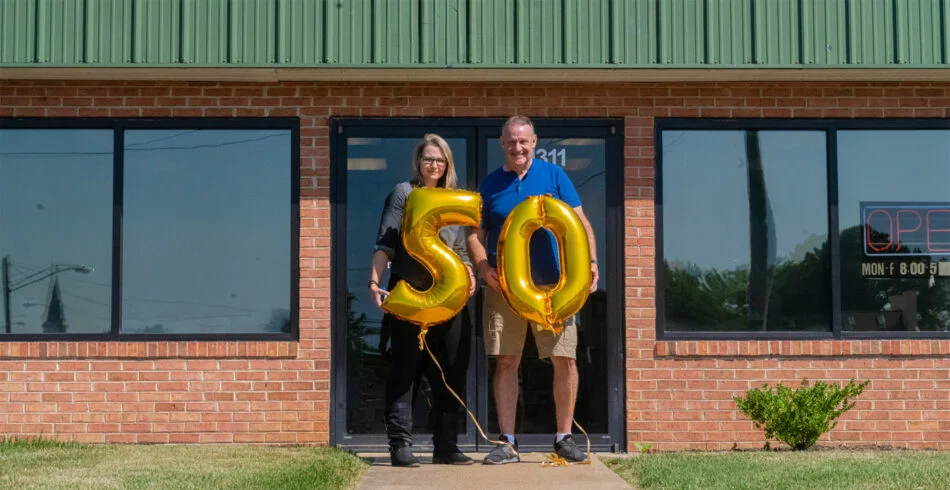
x=555, y=156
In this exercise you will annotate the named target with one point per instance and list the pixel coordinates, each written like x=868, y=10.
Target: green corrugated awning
x=476, y=34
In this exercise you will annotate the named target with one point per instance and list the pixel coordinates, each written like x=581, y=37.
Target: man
x=505, y=332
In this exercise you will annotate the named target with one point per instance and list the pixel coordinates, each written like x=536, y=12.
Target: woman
x=432, y=167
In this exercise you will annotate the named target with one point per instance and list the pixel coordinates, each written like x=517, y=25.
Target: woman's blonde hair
x=449, y=180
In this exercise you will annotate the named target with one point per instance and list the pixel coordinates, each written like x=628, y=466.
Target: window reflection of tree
x=890, y=303
x=364, y=398
x=698, y=299
x=765, y=295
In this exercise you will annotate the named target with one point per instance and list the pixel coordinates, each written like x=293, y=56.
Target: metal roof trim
x=482, y=75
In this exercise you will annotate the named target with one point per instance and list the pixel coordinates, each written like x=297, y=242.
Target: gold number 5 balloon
x=427, y=211
x=548, y=307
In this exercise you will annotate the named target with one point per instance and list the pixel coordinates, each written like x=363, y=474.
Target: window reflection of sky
x=896, y=166
x=706, y=197
x=206, y=227
x=210, y=210
x=56, y=208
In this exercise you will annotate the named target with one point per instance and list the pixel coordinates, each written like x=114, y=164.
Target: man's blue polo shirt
x=502, y=190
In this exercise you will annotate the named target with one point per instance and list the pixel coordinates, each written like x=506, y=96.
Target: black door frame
x=480, y=131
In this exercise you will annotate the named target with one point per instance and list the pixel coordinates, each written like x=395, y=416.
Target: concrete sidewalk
x=527, y=474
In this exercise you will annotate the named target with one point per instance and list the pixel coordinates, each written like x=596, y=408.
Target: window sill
x=148, y=350
x=802, y=348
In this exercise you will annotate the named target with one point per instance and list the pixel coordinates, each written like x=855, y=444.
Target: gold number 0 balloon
x=548, y=307
x=427, y=211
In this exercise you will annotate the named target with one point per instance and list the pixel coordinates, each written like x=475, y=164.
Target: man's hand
x=490, y=275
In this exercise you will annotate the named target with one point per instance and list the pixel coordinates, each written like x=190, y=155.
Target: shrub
x=798, y=418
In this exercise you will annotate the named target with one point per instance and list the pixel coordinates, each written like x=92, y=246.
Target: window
x=56, y=230
x=895, y=232
x=755, y=243
x=187, y=231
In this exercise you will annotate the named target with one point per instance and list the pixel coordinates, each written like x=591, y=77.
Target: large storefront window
x=755, y=243
x=56, y=230
x=159, y=228
x=745, y=228
x=894, y=195
x=207, y=223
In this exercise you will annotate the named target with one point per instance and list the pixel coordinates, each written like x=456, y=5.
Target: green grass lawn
x=794, y=470
x=64, y=465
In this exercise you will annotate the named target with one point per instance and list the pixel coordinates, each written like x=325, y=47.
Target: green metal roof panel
x=579, y=42
x=108, y=32
x=300, y=31
x=445, y=33
x=824, y=37
x=397, y=26
x=729, y=37
x=475, y=33
x=633, y=32
x=253, y=30
x=204, y=31
x=60, y=31
x=923, y=17
x=871, y=35
x=157, y=31
x=682, y=32
x=17, y=31
x=778, y=31
x=491, y=27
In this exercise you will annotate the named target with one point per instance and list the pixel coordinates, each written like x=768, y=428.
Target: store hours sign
x=905, y=240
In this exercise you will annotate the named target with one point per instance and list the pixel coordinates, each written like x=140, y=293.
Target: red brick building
x=708, y=187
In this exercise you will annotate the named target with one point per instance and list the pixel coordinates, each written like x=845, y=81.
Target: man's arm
x=479, y=257
x=592, y=242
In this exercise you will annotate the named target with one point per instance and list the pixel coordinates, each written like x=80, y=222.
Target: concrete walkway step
x=529, y=473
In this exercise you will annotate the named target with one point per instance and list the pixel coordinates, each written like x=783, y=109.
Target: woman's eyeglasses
x=436, y=161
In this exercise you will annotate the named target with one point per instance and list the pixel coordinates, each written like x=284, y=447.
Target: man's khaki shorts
x=505, y=332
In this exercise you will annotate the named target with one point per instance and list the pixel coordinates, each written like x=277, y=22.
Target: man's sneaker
x=567, y=449
x=503, y=453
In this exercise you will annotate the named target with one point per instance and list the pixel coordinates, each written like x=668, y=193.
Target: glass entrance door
x=369, y=158
x=377, y=158
x=583, y=152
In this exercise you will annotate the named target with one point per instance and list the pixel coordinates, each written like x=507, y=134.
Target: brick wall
x=679, y=394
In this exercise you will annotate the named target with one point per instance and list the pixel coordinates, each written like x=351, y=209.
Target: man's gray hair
x=518, y=120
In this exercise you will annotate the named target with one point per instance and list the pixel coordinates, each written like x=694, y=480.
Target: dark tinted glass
x=894, y=195
x=374, y=167
x=206, y=232
x=745, y=231
x=56, y=230
x=585, y=162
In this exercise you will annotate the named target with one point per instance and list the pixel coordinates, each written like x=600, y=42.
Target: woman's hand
x=471, y=282
x=594, y=275
x=378, y=294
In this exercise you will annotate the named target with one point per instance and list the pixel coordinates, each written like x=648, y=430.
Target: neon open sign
x=906, y=228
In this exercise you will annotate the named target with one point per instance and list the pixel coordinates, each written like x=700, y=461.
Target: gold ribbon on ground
x=553, y=458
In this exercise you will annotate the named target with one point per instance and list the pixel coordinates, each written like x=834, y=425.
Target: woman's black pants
x=450, y=344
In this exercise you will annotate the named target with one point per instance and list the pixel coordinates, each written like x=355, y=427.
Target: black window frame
x=830, y=127
x=118, y=127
